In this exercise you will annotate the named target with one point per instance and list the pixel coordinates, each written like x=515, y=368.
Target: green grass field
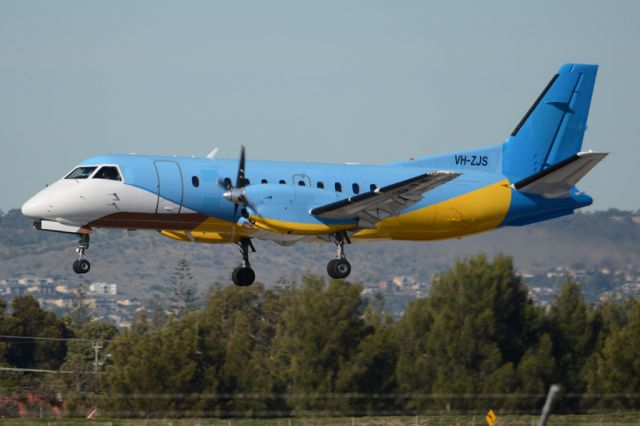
x=613, y=419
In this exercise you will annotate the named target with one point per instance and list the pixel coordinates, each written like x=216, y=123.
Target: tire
x=248, y=276
x=342, y=268
x=75, y=267
x=243, y=277
x=84, y=266
x=331, y=269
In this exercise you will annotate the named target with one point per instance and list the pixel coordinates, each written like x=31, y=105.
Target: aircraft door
x=300, y=181
x=169, y=187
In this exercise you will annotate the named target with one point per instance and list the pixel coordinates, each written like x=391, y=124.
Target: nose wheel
x=82, y=265
x=340, y=267
x=244, y=276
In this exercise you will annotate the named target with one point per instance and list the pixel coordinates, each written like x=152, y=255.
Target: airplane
x=529, y=178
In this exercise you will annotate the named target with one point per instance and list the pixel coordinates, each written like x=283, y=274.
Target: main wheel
x=83, y=266
x=339, y=268
x=243, y=277
x=75, y=267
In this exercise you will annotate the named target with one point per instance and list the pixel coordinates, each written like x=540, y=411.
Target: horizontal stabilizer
x=374, y=206
x=556, y=181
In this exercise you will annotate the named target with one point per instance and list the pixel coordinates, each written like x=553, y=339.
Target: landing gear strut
x=243, y=275
x=82, y=265
x=339, y=267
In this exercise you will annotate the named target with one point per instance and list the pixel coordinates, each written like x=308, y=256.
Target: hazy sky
x=336, y=81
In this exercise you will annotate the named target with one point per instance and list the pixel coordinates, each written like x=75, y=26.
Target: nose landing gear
x=243, y=276
x=340, y=267
x=82, y=265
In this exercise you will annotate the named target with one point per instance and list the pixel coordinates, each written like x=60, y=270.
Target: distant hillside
x=142, y=259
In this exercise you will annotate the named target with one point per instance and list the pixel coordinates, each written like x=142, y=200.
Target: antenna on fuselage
x=212, y=154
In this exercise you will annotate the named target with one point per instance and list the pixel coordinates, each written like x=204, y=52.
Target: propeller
x=237, y=194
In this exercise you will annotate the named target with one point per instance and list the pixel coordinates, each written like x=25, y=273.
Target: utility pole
x=97, y=345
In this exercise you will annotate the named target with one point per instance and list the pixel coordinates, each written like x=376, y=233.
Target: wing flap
x=374, y=206
x=556, y=181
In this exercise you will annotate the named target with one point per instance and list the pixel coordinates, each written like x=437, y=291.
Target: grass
x=612, y=419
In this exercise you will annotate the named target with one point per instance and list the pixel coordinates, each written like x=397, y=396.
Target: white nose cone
x=37, y=207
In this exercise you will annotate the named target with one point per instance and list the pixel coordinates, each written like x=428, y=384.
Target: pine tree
x=574, y=337
x=617, y=365
x=468, y=335
x=183, y=295
x=80, y=311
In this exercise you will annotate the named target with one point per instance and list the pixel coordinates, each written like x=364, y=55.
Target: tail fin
x=553, y=128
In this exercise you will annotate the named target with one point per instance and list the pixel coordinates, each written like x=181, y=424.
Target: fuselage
x=186, y=194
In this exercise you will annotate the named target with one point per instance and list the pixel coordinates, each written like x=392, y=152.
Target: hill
x=142, y=260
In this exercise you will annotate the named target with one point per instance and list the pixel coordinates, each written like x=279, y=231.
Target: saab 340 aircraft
x=529, y=178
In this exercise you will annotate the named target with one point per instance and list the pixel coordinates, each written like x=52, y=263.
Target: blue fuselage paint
x=206, y=198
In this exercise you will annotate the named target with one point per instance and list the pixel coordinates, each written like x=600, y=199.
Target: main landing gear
x=82, y=265
x=243, y=275
x=339, y=267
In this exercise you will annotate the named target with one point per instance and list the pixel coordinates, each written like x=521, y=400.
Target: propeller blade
x=240, y=181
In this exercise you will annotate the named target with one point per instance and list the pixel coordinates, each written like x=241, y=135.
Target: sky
x=331, y=81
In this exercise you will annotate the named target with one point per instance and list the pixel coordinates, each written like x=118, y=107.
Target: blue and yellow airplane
x=529, y=178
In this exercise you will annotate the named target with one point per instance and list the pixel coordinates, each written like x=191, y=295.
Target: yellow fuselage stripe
x=476, y=211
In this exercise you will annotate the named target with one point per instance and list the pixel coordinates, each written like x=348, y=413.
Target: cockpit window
x=81, y=173
x=108, y=172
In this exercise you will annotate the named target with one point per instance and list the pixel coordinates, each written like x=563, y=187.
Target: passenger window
x=320, y=185
x=108, y=173
x=282, y=182
x=195, y=181
x=301, y=183
x=81, y=173
x=264, y=181
x=338, y=187
x=373, y=187
x=356, y=188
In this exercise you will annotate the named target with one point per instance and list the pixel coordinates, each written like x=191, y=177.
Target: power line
x=55, y=339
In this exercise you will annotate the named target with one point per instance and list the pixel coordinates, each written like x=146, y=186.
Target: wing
x=374, y=206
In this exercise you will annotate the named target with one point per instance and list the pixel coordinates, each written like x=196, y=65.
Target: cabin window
x=373, y=187
x=338, y=187
x=108, y=173
x=264, y=181
x=320, y=185
x=195, y=181
x=282, y=182
x=356, y=188
x=227, y=182
x=81, y=173
x=301, y=183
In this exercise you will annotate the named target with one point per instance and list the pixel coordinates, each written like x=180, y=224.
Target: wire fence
x=307, y=408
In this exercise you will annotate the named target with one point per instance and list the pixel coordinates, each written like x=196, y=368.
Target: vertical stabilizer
x=553, y=128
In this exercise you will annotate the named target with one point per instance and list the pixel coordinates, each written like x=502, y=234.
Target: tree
x=617, y=365
x=183, y=295
x=469, y=335
x=29, y=319
x=80, y=312
x=82, y=382
x=573, y=331
x=321, y=329
x=157, y=312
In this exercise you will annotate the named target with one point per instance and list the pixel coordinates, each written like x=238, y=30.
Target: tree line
x=477, y=341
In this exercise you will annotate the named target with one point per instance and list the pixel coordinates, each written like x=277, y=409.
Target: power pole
x=97, y=345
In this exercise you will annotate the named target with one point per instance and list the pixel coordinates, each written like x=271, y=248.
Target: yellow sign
x=491, y=418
